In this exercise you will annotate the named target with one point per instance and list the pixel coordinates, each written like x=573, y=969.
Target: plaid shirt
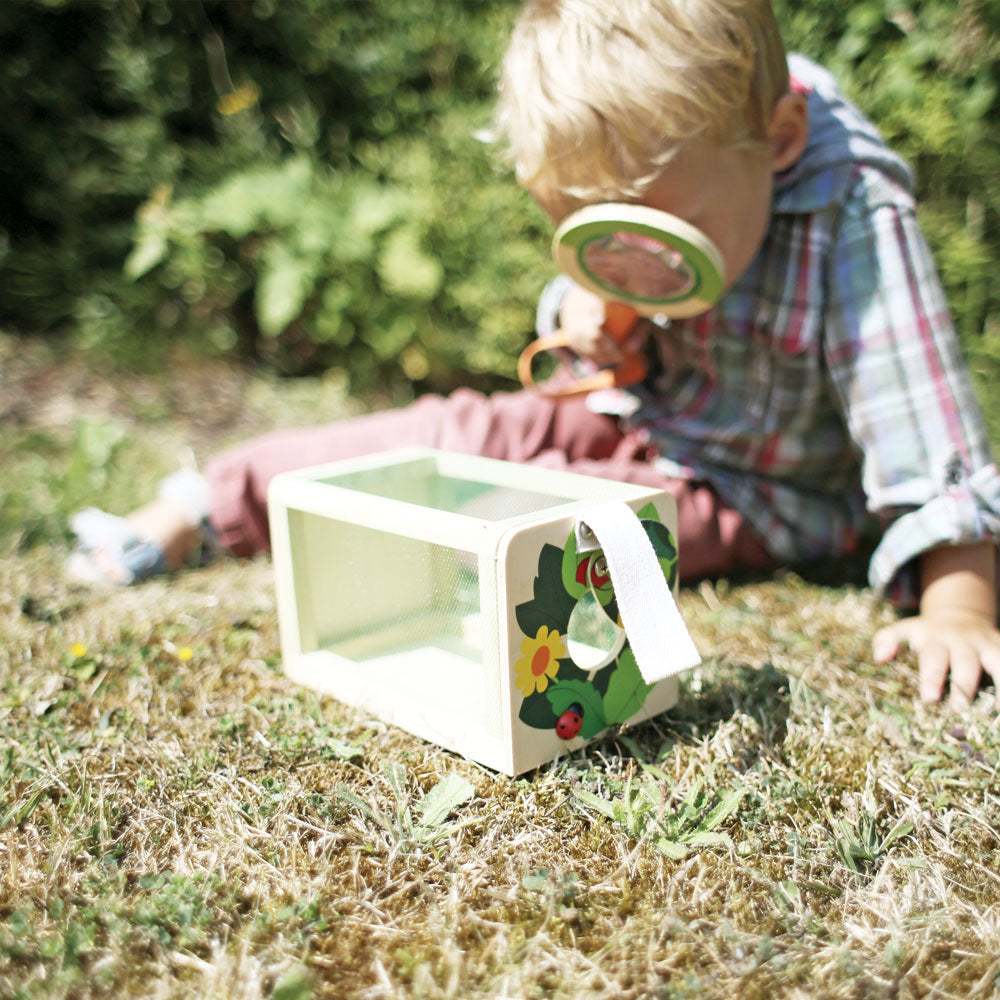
x=828, y=384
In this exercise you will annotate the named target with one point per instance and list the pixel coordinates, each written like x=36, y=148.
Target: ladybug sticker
x=592, y=571
x=570, y=722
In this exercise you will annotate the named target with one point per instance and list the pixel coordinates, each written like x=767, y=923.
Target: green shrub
x=298, y=182
x=380, y=235
x=372, y=269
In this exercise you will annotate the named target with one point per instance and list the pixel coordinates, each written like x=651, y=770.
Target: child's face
x=726, y=193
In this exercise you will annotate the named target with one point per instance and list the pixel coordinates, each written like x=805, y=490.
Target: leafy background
x=299, y=183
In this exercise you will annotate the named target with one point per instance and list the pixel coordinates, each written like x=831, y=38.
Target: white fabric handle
x=653, y=624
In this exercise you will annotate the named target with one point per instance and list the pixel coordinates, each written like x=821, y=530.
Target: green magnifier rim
x=579, y=230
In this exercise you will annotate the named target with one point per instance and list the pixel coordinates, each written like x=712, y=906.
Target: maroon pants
x=519, y=427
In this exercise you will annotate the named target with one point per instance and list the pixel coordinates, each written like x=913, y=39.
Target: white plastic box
x=436, y=590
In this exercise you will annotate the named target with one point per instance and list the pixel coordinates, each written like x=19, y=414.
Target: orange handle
x=619, y=319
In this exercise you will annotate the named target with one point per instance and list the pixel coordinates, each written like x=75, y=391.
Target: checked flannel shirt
x=828, y=384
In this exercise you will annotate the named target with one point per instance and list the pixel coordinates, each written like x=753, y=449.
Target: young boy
x=824, y=387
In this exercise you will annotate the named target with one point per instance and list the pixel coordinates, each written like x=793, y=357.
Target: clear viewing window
x=405, y=611
x=422, y=483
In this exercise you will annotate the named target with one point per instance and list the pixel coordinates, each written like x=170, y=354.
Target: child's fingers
x=593, y=343
x=957, y=659
x=991, y=664
x=933, y=660
x=966, y=669
x=886, y=643
x=932, y=656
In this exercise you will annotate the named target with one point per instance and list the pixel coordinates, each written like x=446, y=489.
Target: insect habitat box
x=473, y=603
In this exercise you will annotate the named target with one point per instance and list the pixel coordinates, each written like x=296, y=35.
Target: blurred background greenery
x=298, y=182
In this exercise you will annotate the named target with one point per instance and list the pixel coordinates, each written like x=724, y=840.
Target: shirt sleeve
x=549, y=304
x=899, y=375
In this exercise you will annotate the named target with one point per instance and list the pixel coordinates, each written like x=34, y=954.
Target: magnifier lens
x=646, y=258
x=638, y=266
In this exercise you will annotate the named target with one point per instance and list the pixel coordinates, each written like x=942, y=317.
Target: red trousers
x=519, y=427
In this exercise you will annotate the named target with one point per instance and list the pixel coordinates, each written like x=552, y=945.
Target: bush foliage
x=300, y=182
x=297, y=182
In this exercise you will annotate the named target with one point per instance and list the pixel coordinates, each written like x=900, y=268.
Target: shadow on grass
x=704, y=705
x=850, y=570
x=842, y=571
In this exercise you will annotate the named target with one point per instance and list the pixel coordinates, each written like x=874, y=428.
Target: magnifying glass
x=642, y=262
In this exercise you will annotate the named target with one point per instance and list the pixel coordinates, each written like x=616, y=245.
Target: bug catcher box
x=503, y=611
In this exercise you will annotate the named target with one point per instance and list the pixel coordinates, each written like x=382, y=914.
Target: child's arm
x=956, y=629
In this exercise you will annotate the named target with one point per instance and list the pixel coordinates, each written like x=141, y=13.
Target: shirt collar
x=840, y=140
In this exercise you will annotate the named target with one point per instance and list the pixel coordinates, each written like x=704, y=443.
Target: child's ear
x=788, y=131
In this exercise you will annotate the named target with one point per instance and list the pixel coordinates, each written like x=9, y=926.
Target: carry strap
x=649, y=614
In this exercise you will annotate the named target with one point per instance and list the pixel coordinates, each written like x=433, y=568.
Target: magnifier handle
x=619, y=321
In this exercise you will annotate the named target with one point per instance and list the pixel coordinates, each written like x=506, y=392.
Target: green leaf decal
x=536, y=711
x=664, y=546
x=570, y=561
x=581, y=693
x=551, y=605
x=627, y=691
x=648, y=513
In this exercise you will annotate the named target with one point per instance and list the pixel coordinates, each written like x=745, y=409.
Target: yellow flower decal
x=540, y=660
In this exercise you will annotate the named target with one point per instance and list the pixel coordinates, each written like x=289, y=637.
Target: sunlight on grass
x=178, y=819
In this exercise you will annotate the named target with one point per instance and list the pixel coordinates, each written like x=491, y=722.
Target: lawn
x=177, y=819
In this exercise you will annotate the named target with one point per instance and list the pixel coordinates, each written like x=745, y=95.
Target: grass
x=177, y=819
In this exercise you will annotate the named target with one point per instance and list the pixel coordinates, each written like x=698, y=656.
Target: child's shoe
x=110, y=553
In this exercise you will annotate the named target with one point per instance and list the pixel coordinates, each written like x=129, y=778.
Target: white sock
x=97, y=529
x=189, y=489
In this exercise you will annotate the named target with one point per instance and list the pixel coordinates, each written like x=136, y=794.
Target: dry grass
x=170, y=821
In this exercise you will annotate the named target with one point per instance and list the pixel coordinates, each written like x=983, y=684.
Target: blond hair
x=597, y=96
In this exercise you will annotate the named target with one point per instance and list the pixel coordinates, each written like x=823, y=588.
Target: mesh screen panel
x=405, y=610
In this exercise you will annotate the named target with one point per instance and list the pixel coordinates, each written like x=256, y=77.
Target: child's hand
x=581, y=319
x=956, y=630
x=960, y=642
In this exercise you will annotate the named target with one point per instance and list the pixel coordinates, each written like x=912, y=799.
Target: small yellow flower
x=182, y=653
x=243, y=97
x=78, y=649
x=540, y=661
